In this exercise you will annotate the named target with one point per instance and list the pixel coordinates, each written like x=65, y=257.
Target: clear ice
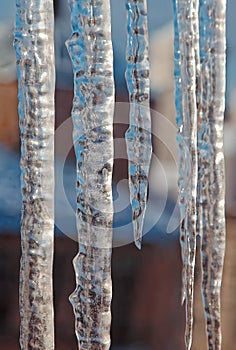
x=138, y=136
x=200, y=102
x=91, y=53
x=186, y=48
x=182, y=150
x=34, y=45
x=211, y=203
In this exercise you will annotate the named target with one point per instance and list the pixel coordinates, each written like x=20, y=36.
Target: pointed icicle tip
x=138, y=243
x=188, y=342
x=138, y=222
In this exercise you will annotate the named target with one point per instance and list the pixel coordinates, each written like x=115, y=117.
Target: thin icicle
x=211, y=158
x=187, y=22
x=90, y=49
x=182, y=151
x=138, y=136
x=36, y=80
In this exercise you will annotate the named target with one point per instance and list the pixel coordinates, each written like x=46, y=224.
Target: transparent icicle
x=91, y=53
x=211, y=162
x=34, y=45
x=182, y=151
x=186, y=73
x=138, y=136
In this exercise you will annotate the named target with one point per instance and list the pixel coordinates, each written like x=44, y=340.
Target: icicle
x=182, y=152
x=90, y=49
x=211, y=162
x=36, y=77
x=186, y=47
x=138, y=136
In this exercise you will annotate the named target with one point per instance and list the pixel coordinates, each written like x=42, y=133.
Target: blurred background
x=146, y=307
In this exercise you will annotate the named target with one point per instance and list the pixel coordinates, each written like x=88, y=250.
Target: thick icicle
x=185, y=70
x=211, y=162
x=138, y=136
x=36, y=77
x=90, y=49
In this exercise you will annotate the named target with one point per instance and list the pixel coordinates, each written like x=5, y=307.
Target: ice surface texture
x=36, y=83
x=185, y=60
x=138, y=136
x=91, y=53
x=211, y=173
x=200, y=91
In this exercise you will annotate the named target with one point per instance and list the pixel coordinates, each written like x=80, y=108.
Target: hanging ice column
x=138, y=136
x=208, y=96
x=36, y=80
x=186, y=51
x=211, y=214
x=90, y=49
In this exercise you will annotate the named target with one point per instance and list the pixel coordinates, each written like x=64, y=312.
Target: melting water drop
x=138, y=136
x=36, y=75
x=90, y=49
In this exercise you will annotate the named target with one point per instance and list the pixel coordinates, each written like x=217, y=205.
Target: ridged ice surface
x=186, y=51
x=211, y=162
x=182, y=149
x=90, y=49
x=36, y=79
x=138, y=136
